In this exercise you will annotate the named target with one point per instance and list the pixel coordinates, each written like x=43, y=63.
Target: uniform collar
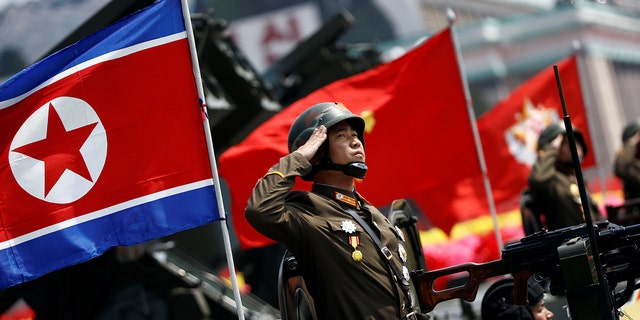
x=341, y=196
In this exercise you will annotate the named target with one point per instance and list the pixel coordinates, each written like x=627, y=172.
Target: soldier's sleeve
x=543, y=169
x=266, y=209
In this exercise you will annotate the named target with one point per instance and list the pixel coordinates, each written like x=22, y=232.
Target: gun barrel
x=617, y=232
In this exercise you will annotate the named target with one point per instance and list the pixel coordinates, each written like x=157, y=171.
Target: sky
x=6, y=3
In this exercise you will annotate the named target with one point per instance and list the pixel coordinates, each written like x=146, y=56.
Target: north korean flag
x=103, y=144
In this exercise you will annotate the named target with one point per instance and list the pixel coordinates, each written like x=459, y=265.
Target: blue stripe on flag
x=88, y=240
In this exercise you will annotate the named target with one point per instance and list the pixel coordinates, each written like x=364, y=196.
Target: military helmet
x=553, y=130
x=325, y=113
x=630, y=129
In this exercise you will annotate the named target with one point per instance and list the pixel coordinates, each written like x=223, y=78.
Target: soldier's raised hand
x=309, y=149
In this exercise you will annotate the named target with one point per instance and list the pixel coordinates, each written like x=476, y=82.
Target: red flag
x=418, y=137
x=102, y=144
x=509, y=131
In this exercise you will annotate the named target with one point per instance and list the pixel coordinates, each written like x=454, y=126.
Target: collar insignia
x=348, y=200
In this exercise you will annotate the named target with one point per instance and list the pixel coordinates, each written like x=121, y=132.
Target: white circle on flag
x=29, y=172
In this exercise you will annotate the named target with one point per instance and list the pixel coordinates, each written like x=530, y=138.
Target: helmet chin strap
x=356, y=169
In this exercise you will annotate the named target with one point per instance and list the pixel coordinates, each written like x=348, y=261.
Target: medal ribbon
x=356, y=254
x=354, y=241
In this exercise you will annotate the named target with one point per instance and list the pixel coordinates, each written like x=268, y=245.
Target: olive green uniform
x=315, y=227
x=556, y=193
x=627, y=168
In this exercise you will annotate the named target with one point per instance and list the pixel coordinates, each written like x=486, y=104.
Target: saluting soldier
x=627, y=162
x=349, y=273
x=552, y=179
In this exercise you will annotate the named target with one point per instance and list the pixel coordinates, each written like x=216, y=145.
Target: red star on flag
x=60, y=150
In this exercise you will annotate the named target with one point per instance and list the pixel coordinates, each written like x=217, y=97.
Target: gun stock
x=476, y=273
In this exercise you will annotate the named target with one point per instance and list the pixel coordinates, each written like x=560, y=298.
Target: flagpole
x=588, y=111
x=451, y=16
x=212, y=159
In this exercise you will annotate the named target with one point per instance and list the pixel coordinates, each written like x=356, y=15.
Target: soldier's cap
x=553, y=130
x=630, y=129
x=498, y=303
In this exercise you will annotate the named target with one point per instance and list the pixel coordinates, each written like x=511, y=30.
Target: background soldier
x=627, y=162
x=552, y=180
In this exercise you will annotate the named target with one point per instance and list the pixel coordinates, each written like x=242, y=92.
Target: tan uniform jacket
x=627, y=168
x=557, y=193
x=318, y=231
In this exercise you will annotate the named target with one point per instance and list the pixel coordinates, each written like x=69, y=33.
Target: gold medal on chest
x=356, y=255
x=402, y=252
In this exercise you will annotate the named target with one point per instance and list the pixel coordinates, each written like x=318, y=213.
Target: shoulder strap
x=386, y=253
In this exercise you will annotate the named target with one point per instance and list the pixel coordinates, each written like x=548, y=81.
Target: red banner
x=418, y=137
x=509, y=131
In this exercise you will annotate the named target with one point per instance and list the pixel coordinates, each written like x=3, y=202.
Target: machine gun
x=564, y=256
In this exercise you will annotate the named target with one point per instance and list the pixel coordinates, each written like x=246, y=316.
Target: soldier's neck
x=335, y=179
